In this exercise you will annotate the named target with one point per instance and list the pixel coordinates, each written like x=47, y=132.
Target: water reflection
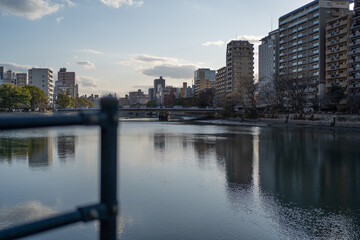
x=38, y=151
x=66, y=147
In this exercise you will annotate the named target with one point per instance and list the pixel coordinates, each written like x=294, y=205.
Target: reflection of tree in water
x=311, y=168
x=66, y=147
x=38, y=150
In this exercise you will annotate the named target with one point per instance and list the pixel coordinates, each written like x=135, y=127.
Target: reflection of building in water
x=66, y=147
x=159, y=141
x=13, y=148
x=237, y=151
x=310, y=168
x=40, y=152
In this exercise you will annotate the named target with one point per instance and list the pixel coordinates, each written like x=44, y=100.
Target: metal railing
x=106, y=210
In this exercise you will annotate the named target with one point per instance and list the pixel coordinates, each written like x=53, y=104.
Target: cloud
x=86, y=64
x=172, y=71
x=16, y=67
x=70, y=3
x=30, y=9
x=91, y=51
x=216, y=43
x=142, y=86
x=59, y=19
x=120, y=3
x=251, y=38
x=161, y=66
x=87, y=82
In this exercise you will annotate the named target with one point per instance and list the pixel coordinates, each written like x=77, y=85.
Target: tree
x=206, y=98
x=38, y=97
x=151, y=104
x=83, y=102
x=334, y=96
x=63, y=101
x=12, y=96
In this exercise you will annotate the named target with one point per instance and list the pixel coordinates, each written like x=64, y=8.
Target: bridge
x=165, y=112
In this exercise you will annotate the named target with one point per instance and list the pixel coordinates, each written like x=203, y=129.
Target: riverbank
x=323, y=121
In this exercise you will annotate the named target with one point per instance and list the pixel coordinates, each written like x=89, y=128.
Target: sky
x=117, y=46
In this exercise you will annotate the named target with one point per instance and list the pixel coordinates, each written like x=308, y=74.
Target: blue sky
x=121, y=45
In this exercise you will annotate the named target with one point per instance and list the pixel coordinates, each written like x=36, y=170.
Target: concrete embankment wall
x=330, y=120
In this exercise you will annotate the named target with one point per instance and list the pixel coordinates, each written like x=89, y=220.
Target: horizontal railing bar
x=84, y=214
x=25, y=121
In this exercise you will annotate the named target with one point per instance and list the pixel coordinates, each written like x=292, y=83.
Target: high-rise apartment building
x=21, y=79
x=67, y=83
x=44, y=79
x=268, y=64
x=159, y=82
x=220, y=92
x=354, y=76
x=240, y=65
x=2, y=72
x=337, y=52
x=204, y=78
x=9, y=77
x=302, y=46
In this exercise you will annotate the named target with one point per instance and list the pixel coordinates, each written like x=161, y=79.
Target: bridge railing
x=106, y=210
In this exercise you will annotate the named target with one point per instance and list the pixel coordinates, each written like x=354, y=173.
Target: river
x=183, y=181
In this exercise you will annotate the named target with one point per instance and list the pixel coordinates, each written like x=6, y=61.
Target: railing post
x=109, y=108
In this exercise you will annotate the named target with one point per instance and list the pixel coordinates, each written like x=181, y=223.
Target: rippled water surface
x=189, y=181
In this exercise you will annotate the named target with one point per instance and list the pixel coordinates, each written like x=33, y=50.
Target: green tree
x=38, y=97
x=64, y=101
x=151, y=103
x=83, y=102
x=334, y=96
x=12, y=96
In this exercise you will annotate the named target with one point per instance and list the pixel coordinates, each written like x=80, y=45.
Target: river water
x=183, y=181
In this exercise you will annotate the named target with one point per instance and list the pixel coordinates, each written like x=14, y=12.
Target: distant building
x=9, y=77
x=137, y=97
x=168, y=96
x=204, y=78
x=22, y=79
x=354, y=77
x=44, y=79
x=151, y=94
x=66, y=83
x=124, y=101
x=2, y=72
x=220, y=89
x=159, y=82
x=302, y=46
x=268, y=64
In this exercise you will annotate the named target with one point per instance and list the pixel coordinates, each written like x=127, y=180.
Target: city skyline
x=130, y=43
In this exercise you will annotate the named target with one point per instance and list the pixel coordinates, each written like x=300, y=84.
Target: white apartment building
x=44, y=79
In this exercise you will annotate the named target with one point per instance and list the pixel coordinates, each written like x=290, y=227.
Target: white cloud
x=161, y=66
x=91, y=85
x=87, y=82
x=251, y=38
x=59, y=19
x=120, y=3
x=70, y=3
x=86, y=64
x=216, y=43
x=16, y=67
x=92, y=51
x=30, y=9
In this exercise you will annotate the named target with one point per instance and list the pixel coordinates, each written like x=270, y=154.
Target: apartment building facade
x=337, y=52
x=66, y=83
x=21, y=79
x=268, y=65
x=354, y=75
x=44, y=79
x=302, y=46
x=220, y=89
